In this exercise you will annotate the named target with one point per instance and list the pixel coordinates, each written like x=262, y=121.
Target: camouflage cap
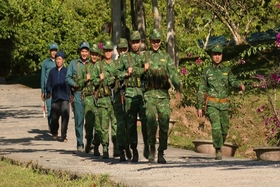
x=135, y=35
x=155, y=34
x=94, y=49
x=53, y=46
x=84, y=45
x=122, y=43
x=217, y=49
x=108, y=45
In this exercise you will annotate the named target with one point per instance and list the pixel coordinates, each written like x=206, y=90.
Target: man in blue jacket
x=72, y=78
x=47, y=65
x=57, y=86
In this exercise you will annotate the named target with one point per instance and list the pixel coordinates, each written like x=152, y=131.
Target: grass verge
x=30, y=174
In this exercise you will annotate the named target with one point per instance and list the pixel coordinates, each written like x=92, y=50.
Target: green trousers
x=90, y=113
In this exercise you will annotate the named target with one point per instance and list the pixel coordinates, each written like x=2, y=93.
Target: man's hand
x=199, y=113
x=129, y=71
x=43, y=97
x=87, y=77
x=146, y=66
x=49, y=96
x=102, y=76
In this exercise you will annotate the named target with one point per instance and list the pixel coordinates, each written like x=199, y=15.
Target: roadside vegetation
x=27, y=174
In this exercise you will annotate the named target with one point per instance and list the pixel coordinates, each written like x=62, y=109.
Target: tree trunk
x=133, y=15
x=116, y=20
x=171, y=46
x=141, y=22
x=157, y=17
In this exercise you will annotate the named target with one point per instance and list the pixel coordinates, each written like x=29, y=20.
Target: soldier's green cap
x=108, y=45
x=122, y=43
x=53, y=46
x=94, y=49
x=84, y=45
x=217, y=49
x=135, y=35
x=155, y=34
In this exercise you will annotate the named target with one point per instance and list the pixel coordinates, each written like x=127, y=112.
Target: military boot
x=161, y=159
x=105, y=152
x=152, y=150
x=128, y=152
x=122, y=156
x=135, y=155
x=96, y=150
x=218, y=154
x=88, y=146
x=146, y=151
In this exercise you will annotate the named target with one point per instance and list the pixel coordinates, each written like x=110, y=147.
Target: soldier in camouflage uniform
x=104, y=79
x=71, y=78
x=132, y=64
x=85, y=82
x=213, y=92
x=156, y=96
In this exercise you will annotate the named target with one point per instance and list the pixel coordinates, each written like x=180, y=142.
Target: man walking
x=213, y=92
x=47, y=65
x=71, y=78
x=156, y=82
x=60, y=91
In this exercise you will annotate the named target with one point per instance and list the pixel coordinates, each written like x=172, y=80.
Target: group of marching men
x=108, y=93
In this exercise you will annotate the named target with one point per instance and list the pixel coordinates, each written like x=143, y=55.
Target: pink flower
x=278, y=6
x=278, y=38
x=190, y=55
x=100, y=45
x=198, y=61
x=184, y=71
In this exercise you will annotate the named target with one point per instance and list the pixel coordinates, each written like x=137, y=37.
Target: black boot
x=128, y=152
x=122, y=156
x=161, y=159
x=135, y=155
x=96, y=150
x=152, y=150
x=88, y=146
x=146, y=151
x=105, y=152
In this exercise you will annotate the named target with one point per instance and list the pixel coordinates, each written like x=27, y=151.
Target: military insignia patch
x=162, y=60
x=226, y=74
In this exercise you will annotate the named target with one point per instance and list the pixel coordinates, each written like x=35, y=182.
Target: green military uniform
x=104, y=100
x=71, y=78
x=47, y=65
x=88, y=90
x=215, y=82
x=134, y=102
x=157, y=98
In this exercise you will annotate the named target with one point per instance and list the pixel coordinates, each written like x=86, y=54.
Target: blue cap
x=84, y=45
x=61, y=54
x=53, y=46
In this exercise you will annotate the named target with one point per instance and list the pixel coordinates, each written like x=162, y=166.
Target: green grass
x=28, y=174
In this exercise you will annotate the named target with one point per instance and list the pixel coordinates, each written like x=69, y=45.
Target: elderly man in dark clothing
x=60, y=91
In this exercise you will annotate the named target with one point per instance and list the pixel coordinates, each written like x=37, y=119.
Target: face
x=216, y=57
x=59, y=61
x=53, y=53
x=155, y=44
x=135, y=45
x=94, y=57
x=84, y=53
x=122, y=50
x=108, y=53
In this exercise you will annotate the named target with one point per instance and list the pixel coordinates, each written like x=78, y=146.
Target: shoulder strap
x=129, y=59
x=77, y=67
x=87, y=70
x=146, y=56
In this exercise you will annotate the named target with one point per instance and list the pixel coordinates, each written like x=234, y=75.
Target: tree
x=157, y=17
x=243, y=17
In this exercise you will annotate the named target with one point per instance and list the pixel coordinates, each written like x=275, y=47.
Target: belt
x=217, y=100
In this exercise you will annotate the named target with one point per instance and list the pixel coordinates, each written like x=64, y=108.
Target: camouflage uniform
x=156, y=96
x=134, y=102
x=215, y=82
x=71, y=78
x=90, y=109
x=105, y=111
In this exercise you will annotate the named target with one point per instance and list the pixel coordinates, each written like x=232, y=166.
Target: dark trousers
x=60, y=108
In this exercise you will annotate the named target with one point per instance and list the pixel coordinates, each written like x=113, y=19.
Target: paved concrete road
x=24, y=137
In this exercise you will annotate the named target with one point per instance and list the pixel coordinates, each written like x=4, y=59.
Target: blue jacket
x=57, y=86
